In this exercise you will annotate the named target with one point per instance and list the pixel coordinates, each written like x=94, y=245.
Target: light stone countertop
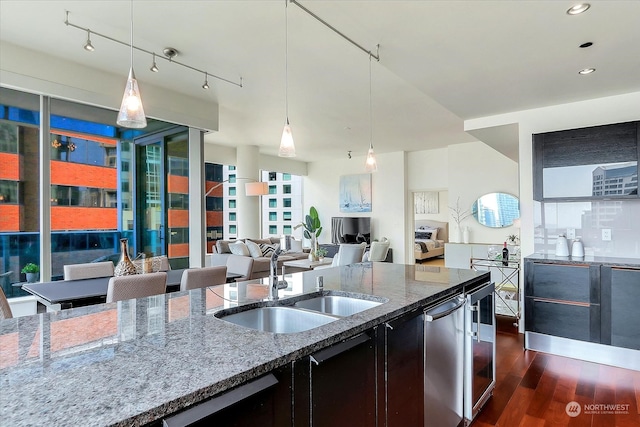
x=133, y=362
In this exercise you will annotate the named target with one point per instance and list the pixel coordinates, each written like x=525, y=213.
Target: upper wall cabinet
x=598, y=163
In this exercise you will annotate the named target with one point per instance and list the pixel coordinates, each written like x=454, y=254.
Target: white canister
x=577, y=249
x=562, y=246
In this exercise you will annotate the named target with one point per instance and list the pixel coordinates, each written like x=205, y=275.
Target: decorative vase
x=124, y=267
x=454, y=234
x=314, y=249
x=465, y=235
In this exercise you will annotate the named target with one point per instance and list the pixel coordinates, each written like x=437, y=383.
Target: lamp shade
x=287, y=147
x=371, y=165
x=256, y=188
x=131, y=114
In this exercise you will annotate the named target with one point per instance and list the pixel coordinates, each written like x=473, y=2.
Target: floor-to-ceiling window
x=92, y=186
x=19, y=186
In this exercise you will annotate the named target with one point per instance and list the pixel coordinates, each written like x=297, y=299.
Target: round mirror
x=496, y=210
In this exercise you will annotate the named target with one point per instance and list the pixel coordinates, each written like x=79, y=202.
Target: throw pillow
x=239, y=248
x=258, y=241
x=267, y=250
x=222, y=246
x=254, y=249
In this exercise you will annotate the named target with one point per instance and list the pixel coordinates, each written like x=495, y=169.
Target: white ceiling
x=442, y=62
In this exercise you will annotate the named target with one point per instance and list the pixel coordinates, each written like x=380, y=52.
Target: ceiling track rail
x=375, y=56
x=157, y=55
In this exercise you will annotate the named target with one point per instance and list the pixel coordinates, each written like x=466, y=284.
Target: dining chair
x=378, y=251
x=88, y=270
x=347, y=254
x=193, y=278
x=136, y=286
x=5, y=308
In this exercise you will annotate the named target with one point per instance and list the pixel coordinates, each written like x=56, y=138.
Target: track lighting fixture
x=88, y=46
x=154, y=67
x=206, y=82
x=169, y=52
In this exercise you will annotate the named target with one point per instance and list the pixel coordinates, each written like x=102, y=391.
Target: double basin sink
x=300, y=316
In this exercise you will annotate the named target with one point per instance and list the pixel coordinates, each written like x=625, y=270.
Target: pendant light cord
x=131, y=15
x=286, y=60
x=370, y=108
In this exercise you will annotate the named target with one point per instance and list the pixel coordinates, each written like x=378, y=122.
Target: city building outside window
x=232, y=191
x=273, y=189
x=286, y=177
x=232, y=216
x=286, y=202
x=273, y=229
x=286, y=229
x=286, y=189
x=273, y=216
x=273, y=203
x=286, y=216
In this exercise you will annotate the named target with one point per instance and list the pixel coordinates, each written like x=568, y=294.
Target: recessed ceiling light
x=577, y=9
x=586, y=71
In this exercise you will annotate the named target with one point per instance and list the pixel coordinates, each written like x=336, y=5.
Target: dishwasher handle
x=431, y=318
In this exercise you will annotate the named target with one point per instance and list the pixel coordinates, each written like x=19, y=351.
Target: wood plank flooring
x=533, y=389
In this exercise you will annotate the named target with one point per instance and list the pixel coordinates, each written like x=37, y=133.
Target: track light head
x=88, y=46
x=206, y=82
x=154, y=67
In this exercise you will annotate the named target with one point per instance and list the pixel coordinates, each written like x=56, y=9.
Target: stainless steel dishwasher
x=444, y=363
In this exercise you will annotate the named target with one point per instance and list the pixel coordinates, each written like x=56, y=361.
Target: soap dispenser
x=562, y=247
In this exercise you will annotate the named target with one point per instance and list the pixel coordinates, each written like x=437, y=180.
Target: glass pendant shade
x=287, y=147
x=131, y=113
x=371, y=165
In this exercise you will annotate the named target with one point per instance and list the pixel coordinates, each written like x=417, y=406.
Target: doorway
x=161, y=202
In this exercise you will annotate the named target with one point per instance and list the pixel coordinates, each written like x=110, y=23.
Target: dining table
x=63, y=294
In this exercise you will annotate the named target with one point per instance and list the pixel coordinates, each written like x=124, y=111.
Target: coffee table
x=307, y=264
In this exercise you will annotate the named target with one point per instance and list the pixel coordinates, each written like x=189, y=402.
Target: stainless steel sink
x=337, y=305
x=279, y=320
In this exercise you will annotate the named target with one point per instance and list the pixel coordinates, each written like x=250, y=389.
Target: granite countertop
x=133, y=362
x=608, y=261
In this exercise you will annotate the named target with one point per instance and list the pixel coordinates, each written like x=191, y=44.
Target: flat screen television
x=350, y=229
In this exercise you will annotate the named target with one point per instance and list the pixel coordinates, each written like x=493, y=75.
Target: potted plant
x=32, y=271
x=312, y=230
x=321, y=253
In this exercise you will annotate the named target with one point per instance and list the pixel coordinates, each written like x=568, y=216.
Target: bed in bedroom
x=430, y=237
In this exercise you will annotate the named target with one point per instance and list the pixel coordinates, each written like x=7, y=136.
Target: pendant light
x=287, y=147
x=131, y=113
x=370, y=165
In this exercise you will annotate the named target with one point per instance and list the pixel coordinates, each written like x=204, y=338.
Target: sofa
x=250, y=258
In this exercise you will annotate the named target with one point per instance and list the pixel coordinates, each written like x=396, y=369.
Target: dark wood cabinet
x=265, y=401
x=563, y=300
x=403, y=366
x=337, y=386
x=558, y=156
x=621, y=307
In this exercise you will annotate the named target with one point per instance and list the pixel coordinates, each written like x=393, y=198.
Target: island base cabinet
x=263, y=402
x=402, y=396
x=336, y=386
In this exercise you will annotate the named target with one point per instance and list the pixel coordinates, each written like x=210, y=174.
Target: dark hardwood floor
x=533, y=389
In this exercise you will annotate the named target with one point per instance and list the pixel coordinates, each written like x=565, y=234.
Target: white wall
x=388, y=196
x=476, y=169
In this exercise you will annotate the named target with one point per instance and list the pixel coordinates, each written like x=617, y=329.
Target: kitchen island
x=136, y=362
